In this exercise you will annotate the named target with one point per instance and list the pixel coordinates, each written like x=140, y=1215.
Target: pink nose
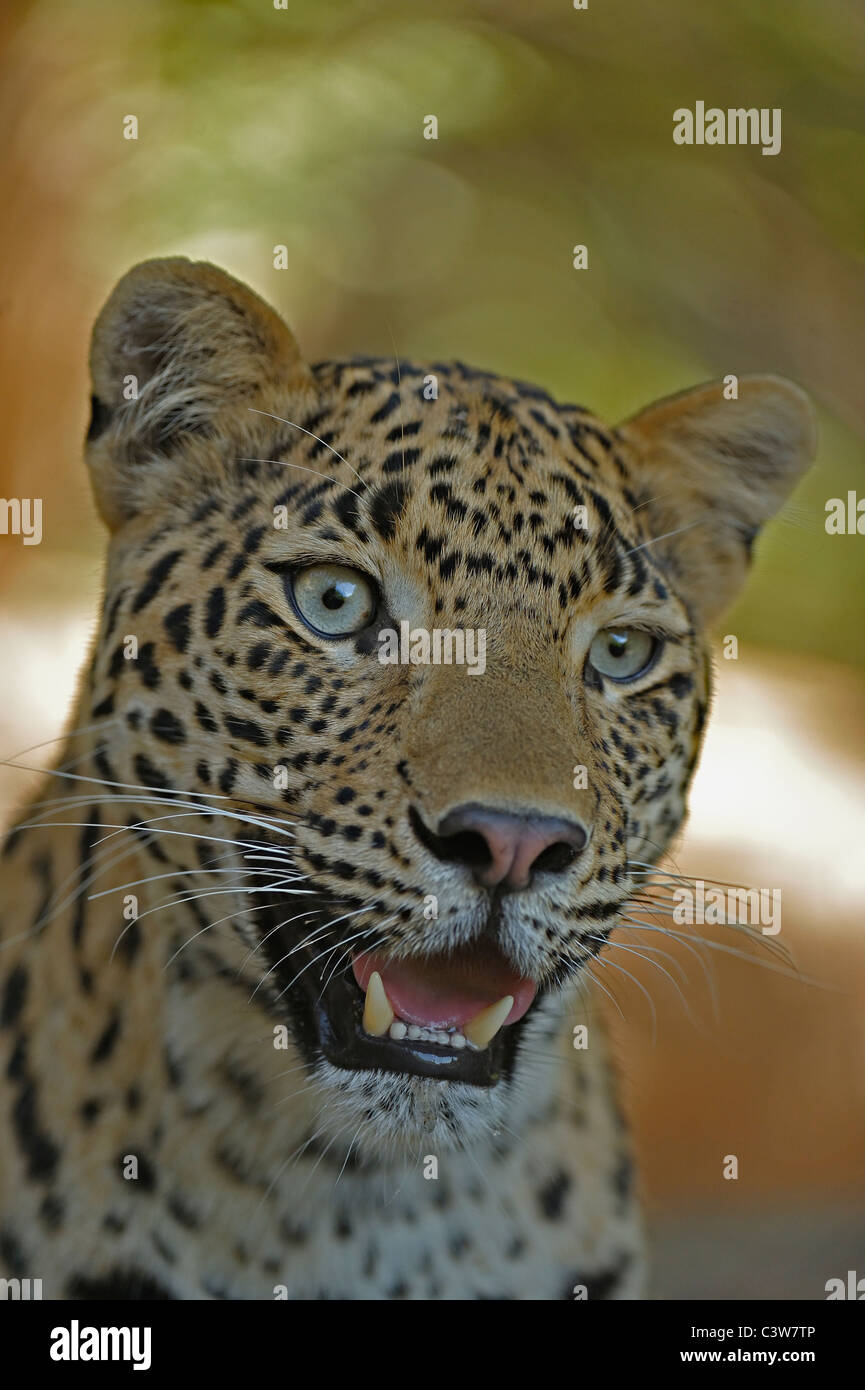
x=505, y=849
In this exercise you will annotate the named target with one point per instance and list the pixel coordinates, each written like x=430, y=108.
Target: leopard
x=303, y=947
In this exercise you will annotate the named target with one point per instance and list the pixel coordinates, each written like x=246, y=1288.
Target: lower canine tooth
x=377, y=1012
x=487, y=1023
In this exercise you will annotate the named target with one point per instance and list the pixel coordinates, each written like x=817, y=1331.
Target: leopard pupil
x=333, y=597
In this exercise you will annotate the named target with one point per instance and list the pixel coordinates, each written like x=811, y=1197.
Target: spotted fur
x=155, y=1142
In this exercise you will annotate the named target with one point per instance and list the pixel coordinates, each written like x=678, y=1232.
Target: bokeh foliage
x=304, y=126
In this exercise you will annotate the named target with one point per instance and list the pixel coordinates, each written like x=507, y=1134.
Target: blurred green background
x=304, y=127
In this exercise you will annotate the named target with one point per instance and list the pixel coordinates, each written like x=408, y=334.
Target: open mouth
x=453, y=1017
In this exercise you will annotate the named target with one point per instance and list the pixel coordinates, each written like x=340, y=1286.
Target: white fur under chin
x=388, y=1117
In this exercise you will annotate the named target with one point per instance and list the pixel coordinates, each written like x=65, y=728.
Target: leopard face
x=385, y=851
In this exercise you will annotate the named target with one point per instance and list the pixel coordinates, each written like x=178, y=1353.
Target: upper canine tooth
x=377, y=1012
x=487, y=1023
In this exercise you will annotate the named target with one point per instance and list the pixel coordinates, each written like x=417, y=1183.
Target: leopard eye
x=333, y=600
x=623, y=653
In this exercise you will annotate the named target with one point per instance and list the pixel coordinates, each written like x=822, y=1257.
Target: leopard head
x=404, y=670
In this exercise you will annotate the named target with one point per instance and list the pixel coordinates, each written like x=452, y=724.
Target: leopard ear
x=709, y=471
x=178, y=353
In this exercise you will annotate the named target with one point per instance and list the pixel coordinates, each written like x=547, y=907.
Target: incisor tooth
x=377, y=1012
x=487, y=1023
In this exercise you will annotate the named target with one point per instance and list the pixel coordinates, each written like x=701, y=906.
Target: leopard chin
x=394, y=1113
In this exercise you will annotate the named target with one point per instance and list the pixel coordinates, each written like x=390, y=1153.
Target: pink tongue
x=445, y=993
